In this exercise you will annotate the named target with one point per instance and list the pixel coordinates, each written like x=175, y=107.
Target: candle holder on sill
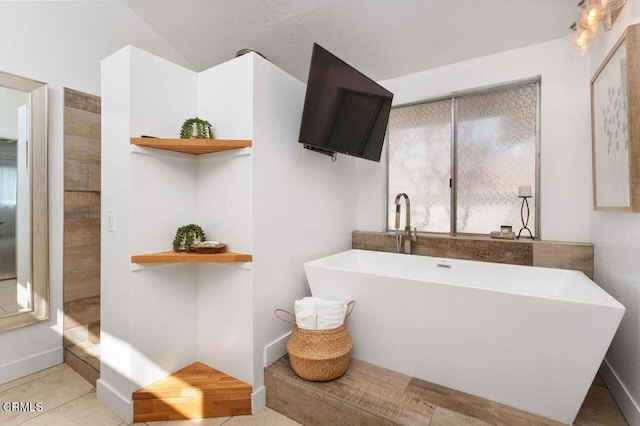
x=525, y=220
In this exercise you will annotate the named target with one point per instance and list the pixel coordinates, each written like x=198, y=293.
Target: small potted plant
x=196, y=128
x=185, y=237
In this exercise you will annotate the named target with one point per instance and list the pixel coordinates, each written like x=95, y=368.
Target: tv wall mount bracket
x=332, y=154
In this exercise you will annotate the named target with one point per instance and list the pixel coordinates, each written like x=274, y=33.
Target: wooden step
x=371, y=395
x=364, y=395
x=194, y=392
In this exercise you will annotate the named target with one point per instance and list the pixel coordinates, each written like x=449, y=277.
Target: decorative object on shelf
x=615, y=126
x=185, y=237
x=592, y=16
x=208, y=247
x=196, y=128
x=524, y=192
x=506, y=228
x=503, y=235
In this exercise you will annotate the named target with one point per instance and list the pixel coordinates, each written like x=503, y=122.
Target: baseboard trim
x=625, y=401
x=276, y=349
x=258, y=400
x=31, y=364
x=114, y=401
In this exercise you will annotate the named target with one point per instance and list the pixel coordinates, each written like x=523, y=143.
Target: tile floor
x=68, y=400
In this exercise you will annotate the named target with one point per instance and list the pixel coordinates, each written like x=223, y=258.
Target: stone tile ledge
x=550, y=254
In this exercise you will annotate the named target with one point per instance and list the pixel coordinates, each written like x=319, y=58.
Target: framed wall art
x=615, y=126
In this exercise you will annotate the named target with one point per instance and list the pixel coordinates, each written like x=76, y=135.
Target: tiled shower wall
x=82, y=233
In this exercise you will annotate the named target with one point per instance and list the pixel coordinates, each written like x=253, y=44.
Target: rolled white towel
x=330, y=314
x=306, y=315
x=306, y=320
x=305, y=304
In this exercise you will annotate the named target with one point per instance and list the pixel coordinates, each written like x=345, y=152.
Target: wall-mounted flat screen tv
x=344, y=111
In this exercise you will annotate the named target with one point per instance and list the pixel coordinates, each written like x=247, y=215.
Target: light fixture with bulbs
x=593, y=15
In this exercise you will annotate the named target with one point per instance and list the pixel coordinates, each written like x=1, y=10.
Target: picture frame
x=615, y=126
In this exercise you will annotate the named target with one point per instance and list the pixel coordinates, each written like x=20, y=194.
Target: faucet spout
x=407, y=224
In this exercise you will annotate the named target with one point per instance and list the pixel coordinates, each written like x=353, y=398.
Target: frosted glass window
x=420, y=164
x=495, y=152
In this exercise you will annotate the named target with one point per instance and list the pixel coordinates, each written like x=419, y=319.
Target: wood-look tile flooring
x=69, y=400
x=370, y=395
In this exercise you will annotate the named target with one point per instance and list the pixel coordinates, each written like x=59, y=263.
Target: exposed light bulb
x=590, y=16
x=581, y=40
x=591, y=13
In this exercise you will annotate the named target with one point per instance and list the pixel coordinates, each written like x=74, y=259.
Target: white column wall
x=147, y=314
x=162, y=198
x=114, y=387
x=224, y=210
x=616, y=239
x=283, y=204
x=565, y=148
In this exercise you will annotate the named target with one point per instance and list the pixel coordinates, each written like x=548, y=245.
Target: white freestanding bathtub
x=532, y=338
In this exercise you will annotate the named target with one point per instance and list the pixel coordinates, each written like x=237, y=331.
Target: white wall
x=61, y=43
x=148, y=314
x=224, y=204
x=304, y=206
x=565, y=150
x=11, y=101
x=616, y=237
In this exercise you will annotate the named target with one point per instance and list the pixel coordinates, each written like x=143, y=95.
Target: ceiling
x=382, y=38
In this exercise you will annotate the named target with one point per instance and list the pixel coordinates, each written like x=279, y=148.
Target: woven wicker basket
x=319, y=355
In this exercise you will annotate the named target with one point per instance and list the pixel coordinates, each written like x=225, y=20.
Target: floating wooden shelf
x=192, y=146
x=194, y=392
x=173, y=257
